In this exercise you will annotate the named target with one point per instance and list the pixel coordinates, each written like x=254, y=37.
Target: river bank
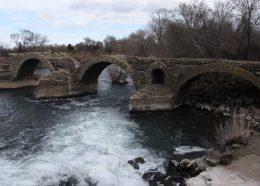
x=243, y=170
x=238, y=165
x=234, y=159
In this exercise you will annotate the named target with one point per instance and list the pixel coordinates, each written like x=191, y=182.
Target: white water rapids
x=96, y=150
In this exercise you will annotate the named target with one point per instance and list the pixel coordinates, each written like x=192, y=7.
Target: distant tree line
x=230, y=30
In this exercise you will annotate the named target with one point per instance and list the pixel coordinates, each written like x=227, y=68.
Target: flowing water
x=88, y=140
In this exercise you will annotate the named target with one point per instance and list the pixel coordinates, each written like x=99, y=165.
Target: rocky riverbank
x=208, y=167
x=238, y=165
x=176, y=170
x=251, y=114
x=242, y=169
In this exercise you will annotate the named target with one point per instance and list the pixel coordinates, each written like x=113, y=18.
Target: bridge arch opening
x=158, y=76
x=218, y=88
x=106, y=72
x=32, y=69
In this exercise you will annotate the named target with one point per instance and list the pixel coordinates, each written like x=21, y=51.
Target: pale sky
x=69, y=21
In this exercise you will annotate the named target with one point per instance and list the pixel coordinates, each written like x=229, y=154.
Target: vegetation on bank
x=234, y=131
x=229, y=29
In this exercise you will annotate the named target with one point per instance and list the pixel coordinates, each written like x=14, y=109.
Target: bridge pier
x=58, y=89
x=152, y=98
x=4, y=85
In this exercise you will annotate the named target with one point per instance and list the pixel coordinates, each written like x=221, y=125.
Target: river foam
x=93, y=150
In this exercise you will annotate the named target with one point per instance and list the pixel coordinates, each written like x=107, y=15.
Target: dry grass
x=234, y=131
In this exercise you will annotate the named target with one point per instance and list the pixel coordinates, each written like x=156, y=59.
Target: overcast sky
x=69, y=21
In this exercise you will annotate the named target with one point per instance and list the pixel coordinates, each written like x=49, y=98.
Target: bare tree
x=117, y=74
x=193, y=16
x=137, y=42
x=39, y=40
x=110, y=43
x=26, y=38
x=249, y=12
x=3, y=49
x=222, y=23
x=158, y=25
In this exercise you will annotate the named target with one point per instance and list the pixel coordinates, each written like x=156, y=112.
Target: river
x=89, y=139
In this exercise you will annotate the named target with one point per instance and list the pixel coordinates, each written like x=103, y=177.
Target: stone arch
x=25, y=67
x=158, y=73
x=183, y=87
x=92, y=69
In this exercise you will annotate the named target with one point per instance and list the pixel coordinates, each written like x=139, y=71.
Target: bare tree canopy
x=158, y=25
x=249, y=15
x=229, y=29
x=27, y=38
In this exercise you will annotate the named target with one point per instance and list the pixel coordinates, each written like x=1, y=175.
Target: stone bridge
x=161, y=84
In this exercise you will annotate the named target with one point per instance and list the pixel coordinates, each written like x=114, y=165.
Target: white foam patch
x=187, y=149
x=95, y=149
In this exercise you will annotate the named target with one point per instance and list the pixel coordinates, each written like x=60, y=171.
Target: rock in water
x=148, y=175
x=133, y=164
x=139, y=160
x=160, y=177
x=169, y=182
x=153, y=183
x=173, y=163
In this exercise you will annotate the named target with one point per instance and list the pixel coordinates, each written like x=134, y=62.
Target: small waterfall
x=69, y=86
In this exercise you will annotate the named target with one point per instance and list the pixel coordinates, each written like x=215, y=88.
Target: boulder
x=184, y=163
x=169, y=181
x=160, y=177
x=174, y=163
x=139, y=160
x=192, y=164
x=236, y=146
x=226, y=158
x=211, y=162
x=148, y=175
x=133, y=164
x=153, y=183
